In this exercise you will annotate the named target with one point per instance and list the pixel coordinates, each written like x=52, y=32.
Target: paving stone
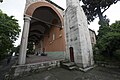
x=98, y=73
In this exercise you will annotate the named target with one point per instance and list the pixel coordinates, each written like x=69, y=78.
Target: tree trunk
x=100, y=14
x=101, y=18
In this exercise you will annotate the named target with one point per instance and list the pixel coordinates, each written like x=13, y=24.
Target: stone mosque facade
x=59, y=33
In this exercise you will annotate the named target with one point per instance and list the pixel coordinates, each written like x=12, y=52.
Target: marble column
x=24, y=41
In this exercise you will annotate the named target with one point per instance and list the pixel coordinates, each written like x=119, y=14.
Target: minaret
x=72, y=2
x=78, y=43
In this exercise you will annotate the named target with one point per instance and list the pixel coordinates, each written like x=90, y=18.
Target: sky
x=16, y=8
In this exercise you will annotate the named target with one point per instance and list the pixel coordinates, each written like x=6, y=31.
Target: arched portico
x=30, y=10
x=43, y=22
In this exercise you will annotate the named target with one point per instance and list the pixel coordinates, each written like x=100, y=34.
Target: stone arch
x=30, y=10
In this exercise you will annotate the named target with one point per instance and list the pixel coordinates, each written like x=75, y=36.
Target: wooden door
x=71, y=54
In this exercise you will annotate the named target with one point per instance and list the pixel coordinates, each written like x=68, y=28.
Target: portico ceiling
x=42, y=20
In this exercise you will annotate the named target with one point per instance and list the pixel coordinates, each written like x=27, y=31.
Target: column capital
x=27, y=18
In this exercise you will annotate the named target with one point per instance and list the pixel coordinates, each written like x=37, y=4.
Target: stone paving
x=98, y=73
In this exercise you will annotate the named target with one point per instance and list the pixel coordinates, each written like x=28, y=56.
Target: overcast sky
x=16, y=8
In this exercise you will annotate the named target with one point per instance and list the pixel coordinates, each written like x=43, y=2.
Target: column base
x=87, y=69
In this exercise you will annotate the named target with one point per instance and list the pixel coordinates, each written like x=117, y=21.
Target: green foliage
x=1, y=0
x=96, y=8
x=99, y=57
x=108, y=42
x=15, y=49
x=9, y=32
x=117, y=54
x=30, y=48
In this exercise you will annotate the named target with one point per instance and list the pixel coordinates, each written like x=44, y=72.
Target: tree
x=94, y=8
x=1, y=1
x=108, y=42
x=15, y=49
x=30, y=48
x=9, y=32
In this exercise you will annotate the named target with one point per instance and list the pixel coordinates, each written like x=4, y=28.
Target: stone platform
x=33, y=64
x=37, y=59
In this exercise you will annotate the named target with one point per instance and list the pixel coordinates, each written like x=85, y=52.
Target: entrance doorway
x=71, y=54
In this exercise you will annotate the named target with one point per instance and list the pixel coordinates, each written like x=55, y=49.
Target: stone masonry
x=77, y=34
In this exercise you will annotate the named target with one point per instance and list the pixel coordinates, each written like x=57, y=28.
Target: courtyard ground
x=98, y=73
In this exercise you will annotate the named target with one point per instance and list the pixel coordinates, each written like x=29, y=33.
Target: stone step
x=72, y=67
x=68, y=65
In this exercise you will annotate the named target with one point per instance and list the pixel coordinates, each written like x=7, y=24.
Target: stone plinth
x=27, y=69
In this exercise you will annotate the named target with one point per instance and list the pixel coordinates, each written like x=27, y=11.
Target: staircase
x=68, y=65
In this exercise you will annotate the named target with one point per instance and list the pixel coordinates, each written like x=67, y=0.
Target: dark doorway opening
x=71, y=54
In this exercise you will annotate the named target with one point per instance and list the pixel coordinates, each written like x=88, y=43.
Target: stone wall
x=56, y=55
x=27, y=69
x=93, y=37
